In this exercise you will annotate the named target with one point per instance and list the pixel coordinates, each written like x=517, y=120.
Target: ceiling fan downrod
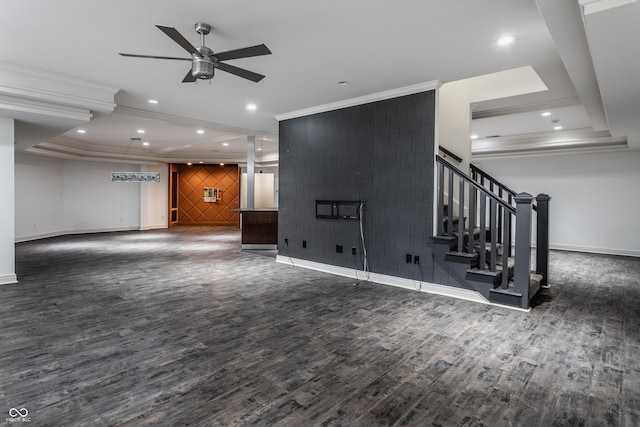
x=203, y=65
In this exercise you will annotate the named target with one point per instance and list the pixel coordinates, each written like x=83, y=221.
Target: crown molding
x=361, y=100
x=16, y=104
x=185, y=121
x=595, y=6
x=527, y=108
x=22, y=82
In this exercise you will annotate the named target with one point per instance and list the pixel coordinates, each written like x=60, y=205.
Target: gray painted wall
x=380, y=152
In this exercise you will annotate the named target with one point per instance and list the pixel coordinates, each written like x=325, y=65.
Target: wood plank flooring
x=179, y=327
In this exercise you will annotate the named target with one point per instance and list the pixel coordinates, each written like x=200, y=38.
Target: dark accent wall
x=381, y=152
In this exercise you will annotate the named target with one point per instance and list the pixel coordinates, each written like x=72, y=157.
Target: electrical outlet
x=339, y=249
x=304, y=244
x=286, y=241
x=353, y=250
x=408, y=258
x=416, y=259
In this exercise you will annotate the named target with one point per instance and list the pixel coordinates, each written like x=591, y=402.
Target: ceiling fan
x=204, y=61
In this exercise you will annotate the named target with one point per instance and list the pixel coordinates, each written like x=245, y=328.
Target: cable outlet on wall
x=416, y=259
x=304, y=244
x=339, y=249
x=408, y=258
x=353, y=250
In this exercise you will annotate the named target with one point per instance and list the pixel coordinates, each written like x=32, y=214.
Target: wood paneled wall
x=193, y=210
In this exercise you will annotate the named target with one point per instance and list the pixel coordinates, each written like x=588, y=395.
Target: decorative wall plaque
x=135, y=176
x=212, y=195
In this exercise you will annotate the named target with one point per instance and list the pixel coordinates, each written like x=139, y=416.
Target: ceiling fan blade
x=240, y=72
x=133, y=55
x=179, y=38
x=189, y=78
x=243, y=53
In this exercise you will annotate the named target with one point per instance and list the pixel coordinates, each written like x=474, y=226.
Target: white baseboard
x=400, y=282
x=31, y=237
x=153, y=227
x=594, y=250
x=8, y=279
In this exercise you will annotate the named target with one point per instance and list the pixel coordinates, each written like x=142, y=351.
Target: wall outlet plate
x=408, y=258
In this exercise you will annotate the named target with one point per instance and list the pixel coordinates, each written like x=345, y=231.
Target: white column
x=251, y=173
x=154, y=203
x=7, y=201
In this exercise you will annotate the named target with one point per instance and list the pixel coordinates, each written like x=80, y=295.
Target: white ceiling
x=375, y=45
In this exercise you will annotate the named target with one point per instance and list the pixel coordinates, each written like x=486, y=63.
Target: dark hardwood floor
x=178, y=327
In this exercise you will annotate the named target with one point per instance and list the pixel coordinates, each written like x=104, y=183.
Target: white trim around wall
x=593, y=250
x=380, y=96
x=383, y=279
x=8, y=279
x=85, y=231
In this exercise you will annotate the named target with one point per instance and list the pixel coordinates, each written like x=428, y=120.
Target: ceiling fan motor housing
x=203, y=65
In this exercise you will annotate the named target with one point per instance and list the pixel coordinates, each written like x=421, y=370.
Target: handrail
x=476, y=169
x=500, y=185
x=450, y=154
x=476, y=185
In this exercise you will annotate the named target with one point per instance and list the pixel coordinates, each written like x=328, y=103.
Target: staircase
x=483, y=237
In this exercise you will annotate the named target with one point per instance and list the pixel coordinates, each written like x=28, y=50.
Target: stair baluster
x=484, y=261
x=461, y=215
x=540, y=206
x=482, y=264
x=506, y=251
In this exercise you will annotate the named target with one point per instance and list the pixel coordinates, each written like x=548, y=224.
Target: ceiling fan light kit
x=204, y=61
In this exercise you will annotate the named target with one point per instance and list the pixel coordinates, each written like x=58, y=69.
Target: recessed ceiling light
x=557, y=128
x=343, y=83
x=474, y=136
x=221, y=164
x=201, y=162
x=141, y=131
x=189, y=164
x=546, y=114
x=146, y=144
x=258, y=149
x=252, y=107
x=82, y=131
x=200, y=131
x=153, y=101
x=225, y=144
x=505, y=40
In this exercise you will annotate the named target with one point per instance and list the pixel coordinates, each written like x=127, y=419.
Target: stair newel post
x=542, y=238
x=522, y=268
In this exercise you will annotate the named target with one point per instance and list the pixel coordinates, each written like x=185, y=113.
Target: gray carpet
x=179, y=327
